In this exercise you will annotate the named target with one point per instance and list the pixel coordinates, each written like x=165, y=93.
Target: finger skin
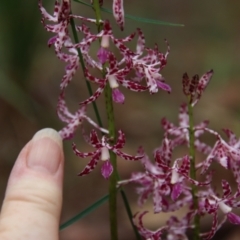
x=33, y=200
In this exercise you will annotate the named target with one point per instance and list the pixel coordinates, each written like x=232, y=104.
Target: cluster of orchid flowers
x=168, y=181
x=144, y=66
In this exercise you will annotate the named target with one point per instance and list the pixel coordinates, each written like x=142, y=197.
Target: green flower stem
x=193, y=171
x=112, y=136
x=98, y=16
x=114, y=176
x=110, y=115
x=129, y=213
x=75, y=36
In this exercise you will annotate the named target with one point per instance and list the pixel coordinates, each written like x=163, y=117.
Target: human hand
x=33, y=199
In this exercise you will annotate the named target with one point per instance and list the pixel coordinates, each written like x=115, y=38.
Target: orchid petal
x=118, y=96
x=91, y=165
x=233, y=218
x=106, y=169
x=176, y=191
x=118, y=12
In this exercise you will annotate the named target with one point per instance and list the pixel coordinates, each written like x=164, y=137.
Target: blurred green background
x=29, y=86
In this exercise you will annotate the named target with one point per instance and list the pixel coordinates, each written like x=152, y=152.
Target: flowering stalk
x=75, y=36
x=97, y=11
x=114, y=176
x=193, y=170
x=112, y=136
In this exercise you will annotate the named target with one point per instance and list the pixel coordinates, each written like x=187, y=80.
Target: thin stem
x=129, y=213
x=194, y=189
x=83, y=68
x=97, y=11
x=114, y=176
x=111, y=127
x=112, y=135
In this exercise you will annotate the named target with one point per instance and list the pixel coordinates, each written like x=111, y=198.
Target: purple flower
x=104, y=36
x=176, y=228
x=73, y=120
x=226, y=154
x=118, y=97
x=61, y=18
x=213, y=203
x=233, y=218
x=146, y=233
x=102, y=153
x=115, y=76
x=148, y=67
x=118, y=12
x=103, y=55
x=181, y=132
x=161, y=181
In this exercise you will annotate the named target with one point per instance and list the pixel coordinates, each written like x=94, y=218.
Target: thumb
x=33, y=200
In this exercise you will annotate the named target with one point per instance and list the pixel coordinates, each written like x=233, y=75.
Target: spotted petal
x=82, y=154
x=226, y=189
x=146, y=233
x=202, y=84
x=118, y=12
x=126, y=156
x=91, y=165
x=120, y=141
x=95, y=96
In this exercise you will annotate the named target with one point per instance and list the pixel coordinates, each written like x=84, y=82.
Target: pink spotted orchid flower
x=146, y=233
x=73, y=120
x=177, y=228
x=153, y=182
x=102, y=153
x=105, y=35
x=118, y=12
x=115, y=77
x=174, y=228
x=225, y=204
x=161, y=181
x=148, y=66
x=181, y=133
x=61, y=19
x=225, y=153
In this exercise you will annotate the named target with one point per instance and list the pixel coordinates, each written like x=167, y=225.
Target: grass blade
x=84, y=212
x=138, y=19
